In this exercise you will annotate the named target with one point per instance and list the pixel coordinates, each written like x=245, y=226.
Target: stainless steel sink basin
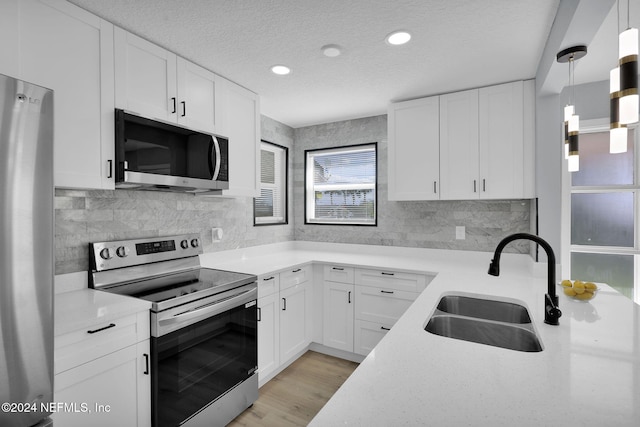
x=497, y=334
x=500, y=311
x=485, y=321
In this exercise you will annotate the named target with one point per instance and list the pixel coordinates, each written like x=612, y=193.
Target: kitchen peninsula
x=587, y=374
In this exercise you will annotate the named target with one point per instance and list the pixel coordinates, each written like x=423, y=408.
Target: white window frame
x=280, y=185
x=596, y=126
x=310, y=188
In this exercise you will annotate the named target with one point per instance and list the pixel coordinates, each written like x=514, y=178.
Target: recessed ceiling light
x=281, y=70
x=331, y=50
x=398, y=37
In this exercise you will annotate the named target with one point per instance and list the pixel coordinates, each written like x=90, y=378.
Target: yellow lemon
x=585, y=296
x=578, y=287
x=590, y=285
x=569, y=291
x=566, y=283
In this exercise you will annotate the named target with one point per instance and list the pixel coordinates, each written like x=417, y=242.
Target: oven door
x=196, y=363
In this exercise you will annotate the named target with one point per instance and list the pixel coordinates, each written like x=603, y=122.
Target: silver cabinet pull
x=434, y=187
x=385, y=329
x=475, y=186
x=297, y=270
x=484, y=185
x=268, y=278
x=386, y=292
x=284, y=304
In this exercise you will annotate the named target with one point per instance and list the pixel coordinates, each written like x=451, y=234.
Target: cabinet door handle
x=386, y=292
x=384, y=273
x=296, y=270
x=284, y=304
x=385, y=329
x=259, y=314
x=268, y=278
x=337, y=268
x=484, y=185
x=110, y=162
x=349, y=298
x=184, y=108
x=111, y=325
x=173, y=99
x=434, y=187
x=146, y=364
x=475, y=186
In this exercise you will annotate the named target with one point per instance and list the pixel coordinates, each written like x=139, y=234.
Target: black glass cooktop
x=179, y=288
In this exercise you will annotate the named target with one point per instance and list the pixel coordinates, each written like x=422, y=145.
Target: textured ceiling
x=456, y=44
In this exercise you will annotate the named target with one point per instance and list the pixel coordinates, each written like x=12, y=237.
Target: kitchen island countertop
x=588, y=373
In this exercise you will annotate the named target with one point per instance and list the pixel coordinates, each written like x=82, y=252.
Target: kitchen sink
x=500, y=311
x=484, y=321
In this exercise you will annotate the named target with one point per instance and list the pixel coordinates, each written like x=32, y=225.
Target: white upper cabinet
x=476, y=144
x=459, y=145
x=501, y=140
x=9, y=12
x=414, y=149
x=240, y=122
x=155, y=83
x=197, y=88
x=146, y=81
x=69, y=50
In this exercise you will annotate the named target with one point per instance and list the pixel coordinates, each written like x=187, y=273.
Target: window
x=340, y=185
x=605, y=244
x=271, y=207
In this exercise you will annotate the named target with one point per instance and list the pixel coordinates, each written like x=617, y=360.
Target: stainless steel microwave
x=153, y=155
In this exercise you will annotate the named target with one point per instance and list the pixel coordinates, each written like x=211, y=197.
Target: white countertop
x=84, y=308
x=588, y=373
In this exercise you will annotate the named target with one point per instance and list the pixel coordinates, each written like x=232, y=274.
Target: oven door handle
x=209, y=310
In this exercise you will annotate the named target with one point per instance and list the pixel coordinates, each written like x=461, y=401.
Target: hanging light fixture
x=629, y=103
x=617, y=131
x=571, y=120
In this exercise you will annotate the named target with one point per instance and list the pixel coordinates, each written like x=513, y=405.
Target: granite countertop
x=588, y=373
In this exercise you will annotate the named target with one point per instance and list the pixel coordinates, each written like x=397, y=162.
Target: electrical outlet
x=216, y=234
x=460, y=232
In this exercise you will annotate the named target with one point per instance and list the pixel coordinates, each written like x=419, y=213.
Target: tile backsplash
x=88, y=216
x=425, y=224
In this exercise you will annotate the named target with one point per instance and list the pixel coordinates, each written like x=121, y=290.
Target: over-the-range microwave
x=153, y=155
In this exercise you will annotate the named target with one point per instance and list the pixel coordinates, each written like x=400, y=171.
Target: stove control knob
x=184, y=244
x=195, y=243
x=122, y=251
x=106, y=253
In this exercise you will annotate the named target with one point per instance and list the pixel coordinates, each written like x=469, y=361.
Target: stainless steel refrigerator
x=26, y=253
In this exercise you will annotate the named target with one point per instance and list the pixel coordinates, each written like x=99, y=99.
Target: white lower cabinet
x=295, y=320
x=284, y=319
x=338, y=315
x=360, y=305
x=382, y=305
x=367, y=335
x=268, y=336
x=102, y=375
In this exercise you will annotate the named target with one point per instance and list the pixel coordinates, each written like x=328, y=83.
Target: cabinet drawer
x=268, y=284
x=81, y=346
x=381, y=304
x=367, y=335
x=336, y=273
x=392, y=279
x=294, y=276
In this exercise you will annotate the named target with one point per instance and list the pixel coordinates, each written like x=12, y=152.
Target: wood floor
x=298, y=393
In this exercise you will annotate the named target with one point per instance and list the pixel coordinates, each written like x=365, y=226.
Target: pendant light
x=571, y=120
x=617, y=131
x=629, y=103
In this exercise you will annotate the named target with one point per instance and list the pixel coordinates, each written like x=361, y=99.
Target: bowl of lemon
x=579, y=290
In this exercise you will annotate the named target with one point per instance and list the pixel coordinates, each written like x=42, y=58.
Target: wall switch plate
x=216, y=234
x=460, y=232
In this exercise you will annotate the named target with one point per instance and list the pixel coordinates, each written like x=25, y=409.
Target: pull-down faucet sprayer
x=551, y=313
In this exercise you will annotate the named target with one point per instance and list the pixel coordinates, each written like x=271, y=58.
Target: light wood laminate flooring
x=298, y=393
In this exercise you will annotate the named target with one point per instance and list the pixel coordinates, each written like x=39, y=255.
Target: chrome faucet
x=551, y=313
